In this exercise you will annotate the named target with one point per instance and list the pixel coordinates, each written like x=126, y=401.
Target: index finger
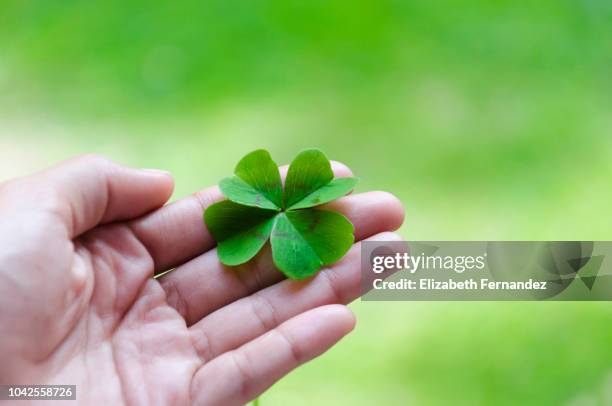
x=176, y=233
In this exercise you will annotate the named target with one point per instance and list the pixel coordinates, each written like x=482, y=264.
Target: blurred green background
x=489, y=119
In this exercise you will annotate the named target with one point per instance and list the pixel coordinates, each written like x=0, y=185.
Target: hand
x=79, y=245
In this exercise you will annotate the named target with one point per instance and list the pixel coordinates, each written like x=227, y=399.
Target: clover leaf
x=303, y=238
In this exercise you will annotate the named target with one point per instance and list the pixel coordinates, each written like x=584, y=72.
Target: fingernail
x=156, y=171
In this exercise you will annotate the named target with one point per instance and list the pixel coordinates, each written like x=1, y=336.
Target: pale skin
x=79, y=246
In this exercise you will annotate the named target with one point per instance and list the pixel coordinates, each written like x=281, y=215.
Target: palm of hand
x=78, y=295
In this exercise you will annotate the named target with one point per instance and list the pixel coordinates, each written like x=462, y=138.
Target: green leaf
x=309, y=171
x=240, y=231
x=257, y=182
x=333, y=190
x=303, y=241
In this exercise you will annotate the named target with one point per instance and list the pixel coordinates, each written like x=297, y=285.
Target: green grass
x=489, y=119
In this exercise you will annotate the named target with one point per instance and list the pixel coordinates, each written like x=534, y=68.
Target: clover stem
x=255, y=402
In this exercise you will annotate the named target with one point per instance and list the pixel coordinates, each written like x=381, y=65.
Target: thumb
x=89, y=190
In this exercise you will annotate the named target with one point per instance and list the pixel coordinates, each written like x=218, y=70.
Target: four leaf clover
x=303, y=238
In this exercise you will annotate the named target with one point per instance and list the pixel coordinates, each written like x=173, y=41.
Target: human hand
x=79, y=246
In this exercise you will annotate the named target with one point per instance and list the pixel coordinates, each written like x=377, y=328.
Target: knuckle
x=242, y=365
x=264, y=311
x=331, y=278
x=295, y=351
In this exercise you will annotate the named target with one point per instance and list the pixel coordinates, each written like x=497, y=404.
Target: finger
x=177, y=233
x=247, y=318
x=249, y=370
x=89, y=190
x=371, y=213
